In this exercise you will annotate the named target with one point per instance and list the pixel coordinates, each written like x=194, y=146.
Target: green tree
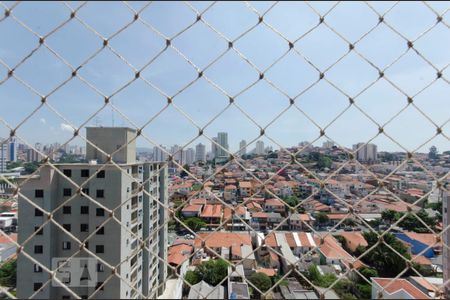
x=349, y=222
x=30, y=167
x=389, y=216
x=184, y=171
x=8, y=274
x=324, y=162
x=14, y=164
x=261, y=281
x=411, y=223
x=433, y=154
x=367, y=273
x=191, y=277
x=322, y=218
x=382, y=258
x=291, y=201
x=212, y=271
x=194, y=223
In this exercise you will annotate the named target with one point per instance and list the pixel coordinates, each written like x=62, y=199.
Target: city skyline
x=202, y=102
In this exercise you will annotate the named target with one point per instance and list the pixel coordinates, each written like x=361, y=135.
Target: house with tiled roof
x=300, y=221
x=191, y=210
x=353, y=240
x=395, y=288
x=274, y=205
x=212, y=214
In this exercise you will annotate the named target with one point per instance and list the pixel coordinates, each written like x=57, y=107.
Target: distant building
x=446, y=241
x=189, y=156
x=159, y=154
x=328, y=145
x=3, y=155
x=242, y=148
x=214, y=147
x=222, y=139
x=259, y=150
x=365, y=152
x=12, y=151
x=200, y=152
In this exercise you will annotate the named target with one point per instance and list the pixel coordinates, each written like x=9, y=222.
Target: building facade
x=222, y=140
x=366, y=152
x=200, y=152
x=134, y=193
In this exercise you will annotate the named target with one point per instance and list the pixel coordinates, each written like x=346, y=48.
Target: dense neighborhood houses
x=305, y=222
x=307, y=216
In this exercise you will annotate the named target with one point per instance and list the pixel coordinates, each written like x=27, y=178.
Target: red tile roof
x=392, y=285
x=211, y=211
x=222, y=239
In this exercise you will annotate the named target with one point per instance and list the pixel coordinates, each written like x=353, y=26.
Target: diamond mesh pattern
x=198, y=71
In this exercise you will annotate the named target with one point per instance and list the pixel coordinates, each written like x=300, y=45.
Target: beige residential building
x=139, y=213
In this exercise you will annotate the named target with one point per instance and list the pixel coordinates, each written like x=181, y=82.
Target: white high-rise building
x=189, y=156
x=200, y=152
x=242, y=148
x=214, y=147
x=3, y=154
x=259, y=150
x=444, y=195
x=159, y=153
x=222, y=139
x=140, y=216
x=366, y=153
x=177, y=153
x=328, y=145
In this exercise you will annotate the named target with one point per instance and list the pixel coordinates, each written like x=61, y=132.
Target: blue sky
x=138, y=44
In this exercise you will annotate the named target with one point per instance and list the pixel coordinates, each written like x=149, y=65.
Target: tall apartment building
x=214, y=147
x=259, y=149
x=200, y=152
x=444, y=195
x=242, y=148
x=366, y=153
x=159, y=154
x=222, y=139
x=12, y=155
x=188, y=156
x=119, y=192
x=3, y=154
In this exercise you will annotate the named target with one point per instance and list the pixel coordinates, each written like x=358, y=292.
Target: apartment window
x=84, y=210
x=67, y=192
x=38, y=231
x=101, y=174
x=84, y=227
x=99, y=212
x=67, y=227
x=100, y=194
x=100, y=268
x=67, y=172
x=38, y=249
x=100, y=230
x=98, y=286
x=65, y=297
x=84, y=173
x=37, y=286
x=66, y=246
x=67, y=210
x=39, y=193
x=38, y=212
x=86, y=245
x=86, y=191
x=37, y=268
x=99, y=249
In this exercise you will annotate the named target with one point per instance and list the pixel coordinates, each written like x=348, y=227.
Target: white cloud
x=66, y=127
x=42, y=120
